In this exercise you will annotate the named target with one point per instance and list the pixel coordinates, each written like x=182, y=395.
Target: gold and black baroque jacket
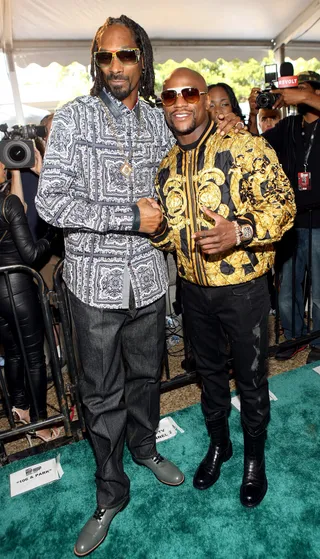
x=237, y=176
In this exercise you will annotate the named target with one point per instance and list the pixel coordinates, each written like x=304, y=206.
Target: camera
x=266, y=99
x=16, y=147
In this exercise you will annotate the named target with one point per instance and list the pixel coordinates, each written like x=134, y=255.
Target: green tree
x=241, y=76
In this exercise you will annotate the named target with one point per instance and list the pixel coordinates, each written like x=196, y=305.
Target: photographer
x=296, y=139
x=18, y=247
x=266, y=118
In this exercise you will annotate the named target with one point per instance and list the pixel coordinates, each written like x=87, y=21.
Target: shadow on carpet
x=164, y=522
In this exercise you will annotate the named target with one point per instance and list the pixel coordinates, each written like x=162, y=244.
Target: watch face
x=246, y=231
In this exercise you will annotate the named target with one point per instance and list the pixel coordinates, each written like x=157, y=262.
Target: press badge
x=304, y=181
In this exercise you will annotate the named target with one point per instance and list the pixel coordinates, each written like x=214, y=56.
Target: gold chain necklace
x=125, y=169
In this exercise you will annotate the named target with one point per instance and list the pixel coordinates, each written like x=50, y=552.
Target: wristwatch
x=246, y=233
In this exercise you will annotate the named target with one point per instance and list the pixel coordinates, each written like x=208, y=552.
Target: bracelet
x=238, y=232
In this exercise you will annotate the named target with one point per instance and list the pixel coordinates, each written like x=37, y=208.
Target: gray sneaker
x=164, y=470
x=95, y=530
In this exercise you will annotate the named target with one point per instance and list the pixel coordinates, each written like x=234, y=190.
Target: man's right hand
x=150, y=215
x=252, y=100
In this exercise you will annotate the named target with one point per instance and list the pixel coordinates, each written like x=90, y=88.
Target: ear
x=142, y=62
x=208, y=101
x=317, y=91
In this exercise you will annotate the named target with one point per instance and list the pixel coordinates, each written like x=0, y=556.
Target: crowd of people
x=127, y=182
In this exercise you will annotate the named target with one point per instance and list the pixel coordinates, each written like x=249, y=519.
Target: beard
x=120, y=91
x=184, y=132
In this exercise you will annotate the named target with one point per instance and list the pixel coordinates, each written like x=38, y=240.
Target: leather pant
x=32, y=331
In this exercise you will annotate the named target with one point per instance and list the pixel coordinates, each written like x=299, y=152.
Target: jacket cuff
x=136, y=217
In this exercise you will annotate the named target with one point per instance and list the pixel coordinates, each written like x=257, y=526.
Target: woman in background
x=223, y=101
x=17, y=247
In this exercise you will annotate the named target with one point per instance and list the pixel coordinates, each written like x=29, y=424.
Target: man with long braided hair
x=98, y=184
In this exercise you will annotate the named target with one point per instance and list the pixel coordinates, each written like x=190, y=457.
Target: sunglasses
x=190, y=94
x=127, y=57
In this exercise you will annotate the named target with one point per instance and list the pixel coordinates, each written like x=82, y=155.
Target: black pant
x=121, y=353
x=32, y=331
x=235, y=316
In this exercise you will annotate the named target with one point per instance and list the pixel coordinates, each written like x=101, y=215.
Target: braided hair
x=143, y=42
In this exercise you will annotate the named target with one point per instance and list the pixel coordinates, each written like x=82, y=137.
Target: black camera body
x=17, y=148
x=266, y=98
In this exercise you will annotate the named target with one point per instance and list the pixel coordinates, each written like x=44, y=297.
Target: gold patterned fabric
x=237, y=176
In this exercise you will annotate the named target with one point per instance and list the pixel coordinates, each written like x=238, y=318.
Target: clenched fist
x=150, y=215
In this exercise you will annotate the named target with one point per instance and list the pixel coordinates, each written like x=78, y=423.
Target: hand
x=153, y=203
x=252, y=100
x=38, y=161
x=290, y=96
x=218, y=239
x=150, y=215
x=228, y=122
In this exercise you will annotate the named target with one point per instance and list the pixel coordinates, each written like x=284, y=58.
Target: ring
x=241, y=124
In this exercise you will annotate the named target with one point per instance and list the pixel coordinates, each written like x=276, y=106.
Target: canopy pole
x=7, y=47
x=14, y=87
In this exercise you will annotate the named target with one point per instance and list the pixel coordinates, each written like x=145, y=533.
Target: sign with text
x=287, y=81
x=167, y=429
x=35, y=476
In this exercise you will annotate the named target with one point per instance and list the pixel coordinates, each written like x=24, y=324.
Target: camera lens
x=17, y=153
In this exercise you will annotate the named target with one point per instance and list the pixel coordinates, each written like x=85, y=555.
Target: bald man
x=225, y=199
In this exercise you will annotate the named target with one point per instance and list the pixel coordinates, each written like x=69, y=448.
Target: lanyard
x=307, y=153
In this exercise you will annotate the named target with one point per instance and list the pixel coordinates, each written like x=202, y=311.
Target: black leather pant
x=32, y=331
x=232, y=317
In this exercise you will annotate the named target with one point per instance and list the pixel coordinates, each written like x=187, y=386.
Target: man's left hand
x=218, y=239
x=229, y=121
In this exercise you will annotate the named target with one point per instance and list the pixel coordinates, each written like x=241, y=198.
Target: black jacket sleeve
x=14, y=214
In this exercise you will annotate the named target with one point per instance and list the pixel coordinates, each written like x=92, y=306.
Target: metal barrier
x=62, y=416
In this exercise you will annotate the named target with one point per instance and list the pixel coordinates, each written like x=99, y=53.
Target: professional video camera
x=266, y=99
x=16, y=147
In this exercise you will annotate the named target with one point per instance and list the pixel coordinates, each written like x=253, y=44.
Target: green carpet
x=164, y=522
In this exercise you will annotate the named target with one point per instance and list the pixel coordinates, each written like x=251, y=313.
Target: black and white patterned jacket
x=82, y=190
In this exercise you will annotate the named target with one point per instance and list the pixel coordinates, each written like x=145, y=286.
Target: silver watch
x=246, y=233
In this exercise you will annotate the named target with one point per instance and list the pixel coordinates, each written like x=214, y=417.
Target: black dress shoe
x=95, y=530
x=254, y=484
x=220, y=450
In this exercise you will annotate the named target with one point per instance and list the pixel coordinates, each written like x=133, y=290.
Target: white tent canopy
x=62, y=30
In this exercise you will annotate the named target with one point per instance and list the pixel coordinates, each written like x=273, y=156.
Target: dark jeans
x=121, y=353
x=235, y=316
x=298, y=240
x=32, y=331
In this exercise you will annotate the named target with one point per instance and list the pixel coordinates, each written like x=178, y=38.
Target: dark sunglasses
x=190, y=94
x=127, y=57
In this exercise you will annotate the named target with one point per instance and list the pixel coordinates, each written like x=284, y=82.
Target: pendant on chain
x=126, y=169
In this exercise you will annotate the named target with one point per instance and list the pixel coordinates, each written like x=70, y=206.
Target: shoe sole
x=104, y=537
x=171, y=484
x=92, y=549
x=228, y=456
